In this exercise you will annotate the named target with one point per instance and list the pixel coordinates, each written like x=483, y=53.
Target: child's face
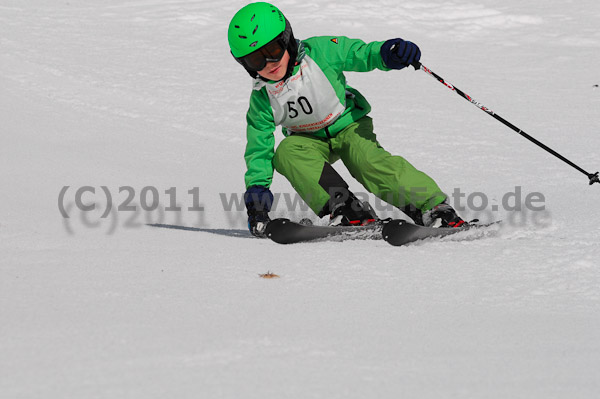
x=275, y=71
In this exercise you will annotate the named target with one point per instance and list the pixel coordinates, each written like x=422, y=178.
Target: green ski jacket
x=314, y=100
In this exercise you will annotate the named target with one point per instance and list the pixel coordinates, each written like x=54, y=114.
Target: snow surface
x=145, y=94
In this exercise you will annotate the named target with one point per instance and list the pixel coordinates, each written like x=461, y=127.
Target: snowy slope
x=144, y=94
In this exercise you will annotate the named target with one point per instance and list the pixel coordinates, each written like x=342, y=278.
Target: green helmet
x=254, y=26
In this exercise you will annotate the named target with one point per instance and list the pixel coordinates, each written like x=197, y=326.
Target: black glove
x=398, y=53
x=258, y=201
x=257, y=222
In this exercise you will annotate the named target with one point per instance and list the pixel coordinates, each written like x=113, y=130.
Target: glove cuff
x=258, y=199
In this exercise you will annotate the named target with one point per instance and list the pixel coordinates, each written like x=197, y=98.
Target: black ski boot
x=442, y=215
x=352, y=212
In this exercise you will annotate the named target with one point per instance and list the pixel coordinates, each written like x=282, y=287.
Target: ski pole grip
x=416, y=65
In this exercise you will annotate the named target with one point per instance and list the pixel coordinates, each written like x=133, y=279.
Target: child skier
x=300, y=85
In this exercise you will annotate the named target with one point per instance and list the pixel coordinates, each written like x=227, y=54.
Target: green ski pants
x=301, y=159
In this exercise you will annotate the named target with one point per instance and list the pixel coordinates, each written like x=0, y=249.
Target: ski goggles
x=270, y=52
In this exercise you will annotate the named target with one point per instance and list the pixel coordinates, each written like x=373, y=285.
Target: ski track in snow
x=144, y=93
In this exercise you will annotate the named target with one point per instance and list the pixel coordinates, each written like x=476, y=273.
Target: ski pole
x=592, y=176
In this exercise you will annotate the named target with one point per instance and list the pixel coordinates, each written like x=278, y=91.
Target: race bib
x=306, y=102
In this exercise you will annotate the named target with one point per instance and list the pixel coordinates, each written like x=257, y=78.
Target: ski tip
x=274, y=224
x=277, y=231
x=391, y=226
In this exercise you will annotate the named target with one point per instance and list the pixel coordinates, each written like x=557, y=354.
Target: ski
x=284, y=231
x=400, y=232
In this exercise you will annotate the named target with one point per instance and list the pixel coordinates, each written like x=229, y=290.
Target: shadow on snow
x=221, y=232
